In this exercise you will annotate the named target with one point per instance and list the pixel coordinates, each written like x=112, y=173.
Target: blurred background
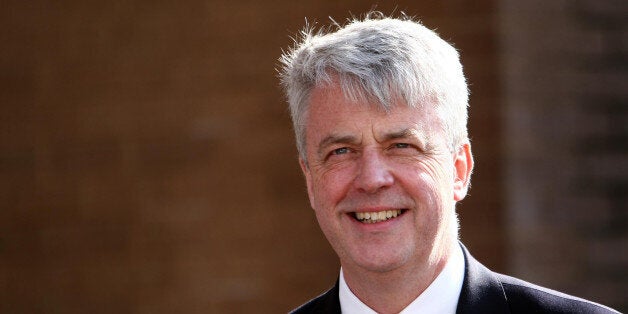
x=147, y=162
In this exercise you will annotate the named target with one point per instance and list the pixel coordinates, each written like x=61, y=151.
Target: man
x=380, y=111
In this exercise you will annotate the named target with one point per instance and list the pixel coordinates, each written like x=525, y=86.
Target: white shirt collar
x=441, y=296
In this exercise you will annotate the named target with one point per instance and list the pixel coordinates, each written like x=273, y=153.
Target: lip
x=374, y=209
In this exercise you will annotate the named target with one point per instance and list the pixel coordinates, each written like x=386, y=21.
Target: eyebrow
x=404, y=133
x=335, y=139
x=421, y=139
x=350, y=139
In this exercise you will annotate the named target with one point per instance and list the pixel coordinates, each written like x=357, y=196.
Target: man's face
x=383, y=185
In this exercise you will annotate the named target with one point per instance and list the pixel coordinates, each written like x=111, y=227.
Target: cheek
x=439, y=173
x=431, y=182
x=331, y=186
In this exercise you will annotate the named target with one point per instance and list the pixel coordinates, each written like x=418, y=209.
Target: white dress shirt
x=440, y=297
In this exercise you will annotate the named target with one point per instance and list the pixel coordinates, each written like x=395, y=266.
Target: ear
x=308, y=179
x=463, y=164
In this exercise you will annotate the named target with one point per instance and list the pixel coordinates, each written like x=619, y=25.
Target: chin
x=379, y=262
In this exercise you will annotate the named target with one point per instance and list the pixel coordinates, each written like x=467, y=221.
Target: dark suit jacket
x=484, y=291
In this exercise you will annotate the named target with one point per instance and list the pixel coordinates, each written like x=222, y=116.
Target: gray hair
x=377, y=60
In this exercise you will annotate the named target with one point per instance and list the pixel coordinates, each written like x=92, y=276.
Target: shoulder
x=485, y=291
x=327, y=302
x=525, y=297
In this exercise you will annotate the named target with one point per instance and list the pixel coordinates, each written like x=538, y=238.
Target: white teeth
x=373, y=217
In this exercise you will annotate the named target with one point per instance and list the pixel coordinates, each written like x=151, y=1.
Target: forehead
x=330, y=108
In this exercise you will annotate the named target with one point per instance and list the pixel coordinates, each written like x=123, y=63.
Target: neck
x=392, y=291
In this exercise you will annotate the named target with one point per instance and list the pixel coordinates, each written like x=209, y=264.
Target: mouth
x=375, y=217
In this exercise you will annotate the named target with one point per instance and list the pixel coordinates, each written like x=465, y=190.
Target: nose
x=373, y=174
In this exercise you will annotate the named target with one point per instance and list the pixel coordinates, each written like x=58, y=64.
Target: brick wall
x=147, y=163
x=566, y=124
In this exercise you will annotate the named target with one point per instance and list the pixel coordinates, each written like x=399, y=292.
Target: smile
x=375, y=217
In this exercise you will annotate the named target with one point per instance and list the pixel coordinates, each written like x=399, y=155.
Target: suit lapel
x=481, y=291
x=330, y=302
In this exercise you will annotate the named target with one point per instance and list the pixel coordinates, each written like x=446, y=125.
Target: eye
x=340, y=151
x=403, y=149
